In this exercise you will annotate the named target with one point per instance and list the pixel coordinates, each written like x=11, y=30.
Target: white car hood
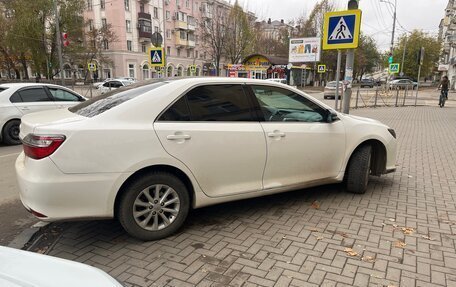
x=20, y=268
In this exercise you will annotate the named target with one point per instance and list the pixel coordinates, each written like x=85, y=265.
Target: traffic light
x=390, y=59
x=353, y=4
x=65, y=41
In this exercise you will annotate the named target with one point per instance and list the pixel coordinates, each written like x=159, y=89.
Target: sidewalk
x=400, y=233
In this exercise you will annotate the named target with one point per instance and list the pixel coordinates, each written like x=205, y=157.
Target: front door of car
x=302, y=146
x=213, y=131
x=33, y=99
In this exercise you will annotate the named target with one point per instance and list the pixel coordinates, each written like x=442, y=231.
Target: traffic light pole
x=59, y=42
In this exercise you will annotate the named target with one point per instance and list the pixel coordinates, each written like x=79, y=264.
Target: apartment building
x=447, y=34
x=134, y=22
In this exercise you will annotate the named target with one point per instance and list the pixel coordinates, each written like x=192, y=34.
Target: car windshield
x=101, y=104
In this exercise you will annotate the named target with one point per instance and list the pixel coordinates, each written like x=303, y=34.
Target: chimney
x=269, y=21
x=281, y=21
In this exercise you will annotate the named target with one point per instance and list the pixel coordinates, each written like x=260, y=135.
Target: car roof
x=21, y=85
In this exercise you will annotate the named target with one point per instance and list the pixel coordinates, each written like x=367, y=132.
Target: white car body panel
x=20, y=268
x=103, y=151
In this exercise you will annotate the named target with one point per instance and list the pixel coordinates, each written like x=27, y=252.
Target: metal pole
x=403, y=57
x=394, y=26
x=397, y=96
x=59, y=42
x=376, y=95
x=357, y=97
x=339, y=59
x=348, y=80
x=418, y=85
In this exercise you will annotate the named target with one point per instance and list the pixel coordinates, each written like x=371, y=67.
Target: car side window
x=177, y=112
x=15, y=98
x=62, y=95
x=34, y=95
x=281, y=105
x=113, y=84
x=219, y=103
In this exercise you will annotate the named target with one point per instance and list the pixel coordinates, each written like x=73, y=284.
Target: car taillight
x=41, y=146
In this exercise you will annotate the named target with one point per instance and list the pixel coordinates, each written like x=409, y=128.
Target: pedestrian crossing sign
x=322, y=69
x=156, y=57
x=341, y=29
x=394, y=68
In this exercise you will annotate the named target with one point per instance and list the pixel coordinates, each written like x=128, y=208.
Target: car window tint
x=100, y=104
x=177, y=112
x=34, y=95
x=281, y=105
x=219, y=103
x=62, y=95
x=15, y=98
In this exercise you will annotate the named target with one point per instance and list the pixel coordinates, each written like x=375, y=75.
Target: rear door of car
x=213, y=130
x=64, y=98
x=301, y=145
x=32, y=99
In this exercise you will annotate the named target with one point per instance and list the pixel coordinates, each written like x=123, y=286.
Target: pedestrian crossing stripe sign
x=341, y=29
x=156, y=57
x=92, y=67
x=394, y=68
x=321, y=68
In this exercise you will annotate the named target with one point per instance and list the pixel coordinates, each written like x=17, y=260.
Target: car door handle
x=178, y=137
x=276, y=134
x=25, y=108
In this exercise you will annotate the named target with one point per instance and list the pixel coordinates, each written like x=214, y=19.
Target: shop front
x=264, y=67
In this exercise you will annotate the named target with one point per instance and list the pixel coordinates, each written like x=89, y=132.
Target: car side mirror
x=332, y=117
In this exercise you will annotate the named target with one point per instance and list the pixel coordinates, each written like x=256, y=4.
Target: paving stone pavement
x=400, y=233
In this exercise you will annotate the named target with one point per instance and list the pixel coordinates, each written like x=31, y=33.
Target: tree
x=239, y=34
x=214, y=34
x=413, y=44
x=367, y=56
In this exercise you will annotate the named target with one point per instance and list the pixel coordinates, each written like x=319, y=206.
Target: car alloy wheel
x=156, y=207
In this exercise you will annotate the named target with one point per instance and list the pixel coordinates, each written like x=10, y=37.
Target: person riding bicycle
x=444, y=85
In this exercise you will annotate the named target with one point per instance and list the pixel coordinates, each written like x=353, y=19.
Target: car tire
x=358, y=170
x=145, y=220
x=10, y=133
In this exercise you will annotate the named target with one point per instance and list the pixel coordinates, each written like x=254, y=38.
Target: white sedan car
x=20, y=268
x=149, y=153
x=19, y=99
x=114, y=84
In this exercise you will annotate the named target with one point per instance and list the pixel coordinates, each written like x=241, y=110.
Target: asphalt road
x=13, y=216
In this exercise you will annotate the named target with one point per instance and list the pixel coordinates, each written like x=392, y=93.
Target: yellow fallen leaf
x=369, y=259
x=407, y=230
x=313, y=229
x=350, y=252
x=400, y=244
x=427, y=237
x=316, y=204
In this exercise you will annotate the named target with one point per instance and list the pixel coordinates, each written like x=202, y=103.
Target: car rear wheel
x=358, y=170
x=154, y=206
x=11, y=133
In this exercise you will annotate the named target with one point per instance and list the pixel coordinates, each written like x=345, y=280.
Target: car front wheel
x=154, y=206
x=11, y=132
x=358, y=170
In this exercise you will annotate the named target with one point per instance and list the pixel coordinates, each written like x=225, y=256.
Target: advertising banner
x=305, y=50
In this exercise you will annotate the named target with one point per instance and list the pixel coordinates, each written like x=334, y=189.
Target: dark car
x=367, y=83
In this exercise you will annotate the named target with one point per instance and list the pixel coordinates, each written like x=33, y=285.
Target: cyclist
x=444, y=85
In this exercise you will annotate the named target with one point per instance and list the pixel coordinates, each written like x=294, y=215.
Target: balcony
x=180, y=25
x=191, y=27
x=146, y=16
x=145, y=32
x=191, y=44
x=180, y=42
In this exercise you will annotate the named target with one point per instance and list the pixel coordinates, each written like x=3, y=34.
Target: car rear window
x=101, y=104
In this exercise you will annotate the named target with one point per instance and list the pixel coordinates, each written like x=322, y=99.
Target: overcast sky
x=377, y=16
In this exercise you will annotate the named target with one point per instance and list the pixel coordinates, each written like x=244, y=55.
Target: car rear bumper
x=45, y=190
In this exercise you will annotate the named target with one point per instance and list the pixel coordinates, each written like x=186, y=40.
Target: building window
x=187, y=4
x=90, y=25
x=127, y=5
x=104, y=23
x=102, y=4
x=89, y=5
x=168, y=15
x=183, y=35
x=168, y=34
x=129, y=48
x=141, y=8
x=196, y=54
x=188, y=53
x=128, y=26
x=178, y=52
x=143, y=48
x=156, y=29
x=168, y=51
x=145, y=70
x=131, y=70
x=105, y=45
x=155, y=12
x=205, y=55
x=177, y=2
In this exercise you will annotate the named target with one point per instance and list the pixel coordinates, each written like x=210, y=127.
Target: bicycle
x=443, y=97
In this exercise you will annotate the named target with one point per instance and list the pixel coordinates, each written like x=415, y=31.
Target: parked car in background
x=20, y=268
x=369, y=83
x=19, y=99
x=113, y=84
x=403, y=84
x=97, y=84
x=149, y=153
x=330, y=90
